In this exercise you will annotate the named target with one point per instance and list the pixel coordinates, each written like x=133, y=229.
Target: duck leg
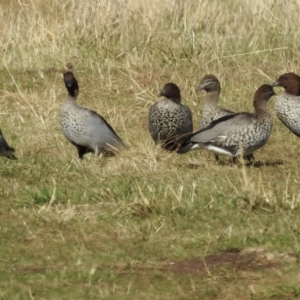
x=250, y=158
x=83, y=150
x=217, y=159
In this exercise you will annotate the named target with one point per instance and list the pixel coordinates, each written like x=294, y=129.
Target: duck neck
x=293, y=89
x=176, y=100
x=291, y=95
x=212, y=98
x=261, y=110
x=72, y=95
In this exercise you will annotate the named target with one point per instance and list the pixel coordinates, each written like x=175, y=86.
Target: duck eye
x=284, y=78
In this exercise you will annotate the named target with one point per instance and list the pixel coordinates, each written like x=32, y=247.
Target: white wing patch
x=218, y=150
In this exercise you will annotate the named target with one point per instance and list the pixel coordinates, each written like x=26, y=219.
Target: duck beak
x=276, y=83
x=162, y=94
x=200, y=87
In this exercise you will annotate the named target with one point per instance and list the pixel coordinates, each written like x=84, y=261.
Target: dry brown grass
x=104, y=227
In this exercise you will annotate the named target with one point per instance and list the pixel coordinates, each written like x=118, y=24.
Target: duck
x=287, y=105
x=84, y=128
x=168, y=119
x=211, y=111
x=5, y=149
x=236, y=134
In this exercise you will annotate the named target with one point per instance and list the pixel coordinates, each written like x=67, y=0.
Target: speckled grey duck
x=84, y=128
x=288, y=103
x=5, y=149
x=236, y=134
x=211, y=111
x=168, y=119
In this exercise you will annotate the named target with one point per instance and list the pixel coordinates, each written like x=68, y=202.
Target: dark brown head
x=171, y=91
x=71, y=84
x=290, y=82
x=209, y=83
x=262, y=95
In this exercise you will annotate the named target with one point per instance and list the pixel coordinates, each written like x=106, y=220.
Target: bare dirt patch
x=230, y=259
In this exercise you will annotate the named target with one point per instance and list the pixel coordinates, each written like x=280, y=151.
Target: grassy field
x=146, y=224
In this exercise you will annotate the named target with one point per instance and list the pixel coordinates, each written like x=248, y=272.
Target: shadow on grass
x=255, y=164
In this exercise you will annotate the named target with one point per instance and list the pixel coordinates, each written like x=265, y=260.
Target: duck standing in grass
x=84, y=128
x=5, y=149
x=288, y=104
x=236, y=134
x=211, y=111
x=168, y=119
